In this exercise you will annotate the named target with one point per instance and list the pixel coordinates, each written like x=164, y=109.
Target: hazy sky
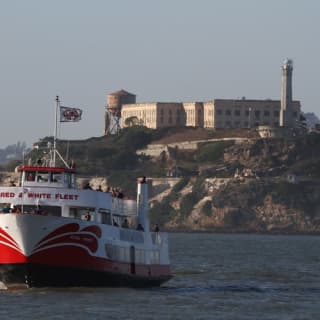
x=161, y=50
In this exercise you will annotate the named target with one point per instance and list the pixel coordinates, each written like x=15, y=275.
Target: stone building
x=154, y=115
x=244, y=113
x=216, y=114
x=163, y=114
x=194, y=114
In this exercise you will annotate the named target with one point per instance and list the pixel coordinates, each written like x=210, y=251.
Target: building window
x=237, y=124
x=161, y=112
x=257, y=114
x=246, y=124
x=219, y=112
x=276, y=124
x=228, y=124
x=247, y=112
x=276, y=113
x=266, y=113
x=228, y=112
x=295, y=114
x=170, y=119
x=161, y=119
x=237, y=113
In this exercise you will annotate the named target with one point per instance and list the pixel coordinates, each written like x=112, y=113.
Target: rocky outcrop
x=259, y=211
x=268, y=186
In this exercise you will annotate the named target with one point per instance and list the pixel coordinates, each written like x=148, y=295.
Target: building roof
x=121, y=92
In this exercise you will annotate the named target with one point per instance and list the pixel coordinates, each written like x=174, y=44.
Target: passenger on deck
x=120, y=194
x=87, y=186
x=38, y=210
x=125, y=223
x=30, y=177
x=140, y=227
x=99, y=189
x=156, y=228
x=12, y=184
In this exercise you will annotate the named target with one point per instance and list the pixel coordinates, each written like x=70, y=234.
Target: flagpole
x=55, y=130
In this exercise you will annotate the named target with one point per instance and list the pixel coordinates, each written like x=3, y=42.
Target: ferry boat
x=53, y=233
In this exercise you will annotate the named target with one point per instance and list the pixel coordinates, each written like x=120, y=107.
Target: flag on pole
x=70, y=114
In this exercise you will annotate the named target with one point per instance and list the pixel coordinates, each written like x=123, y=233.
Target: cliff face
x=272, y=207
x=271, y=186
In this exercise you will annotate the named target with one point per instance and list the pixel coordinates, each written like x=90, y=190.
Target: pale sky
x=161, y=50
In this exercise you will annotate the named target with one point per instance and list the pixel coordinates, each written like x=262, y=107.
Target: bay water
x=216, y=276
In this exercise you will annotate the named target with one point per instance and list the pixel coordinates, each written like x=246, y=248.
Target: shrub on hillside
x=207, y=208
x=187, y=203
x=161, y=213
x=180, y=184
x=134, y=137
x=211, y=152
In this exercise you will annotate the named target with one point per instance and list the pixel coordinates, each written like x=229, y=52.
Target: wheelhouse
x=47, y=176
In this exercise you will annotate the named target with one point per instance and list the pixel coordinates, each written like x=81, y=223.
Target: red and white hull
x=40, y=250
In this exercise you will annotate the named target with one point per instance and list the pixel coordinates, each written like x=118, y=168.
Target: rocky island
x=212, y=181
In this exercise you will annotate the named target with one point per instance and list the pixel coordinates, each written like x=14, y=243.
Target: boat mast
x=55, y=130
x=55, y=150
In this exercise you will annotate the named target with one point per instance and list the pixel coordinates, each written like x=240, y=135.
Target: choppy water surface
x=216, y=277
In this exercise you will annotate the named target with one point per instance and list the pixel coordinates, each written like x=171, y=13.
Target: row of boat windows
x=32, y=209
x=130, y=254
x=44, y=176
x=81, y=213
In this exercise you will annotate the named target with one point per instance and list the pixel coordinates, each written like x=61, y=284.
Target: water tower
x=286, y=94
x=115, y=101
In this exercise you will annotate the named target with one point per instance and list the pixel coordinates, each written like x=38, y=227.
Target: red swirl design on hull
x=71, y=235
x=10, y=251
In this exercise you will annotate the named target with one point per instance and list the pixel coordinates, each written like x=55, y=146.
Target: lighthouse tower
x=286, y=119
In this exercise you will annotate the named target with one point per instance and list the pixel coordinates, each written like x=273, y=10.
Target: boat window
x=131, y=235
x=42, y=176
x=68, y=179
x=109, y=250
x=73, y=180
x=123, y=254
x=139, y=255
x=104, y=216
x=119, y=253
x=73, y=213
x=41, y=210
x=30, y=175
x=56, y=177
x=82, y=213
x=155, y=256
